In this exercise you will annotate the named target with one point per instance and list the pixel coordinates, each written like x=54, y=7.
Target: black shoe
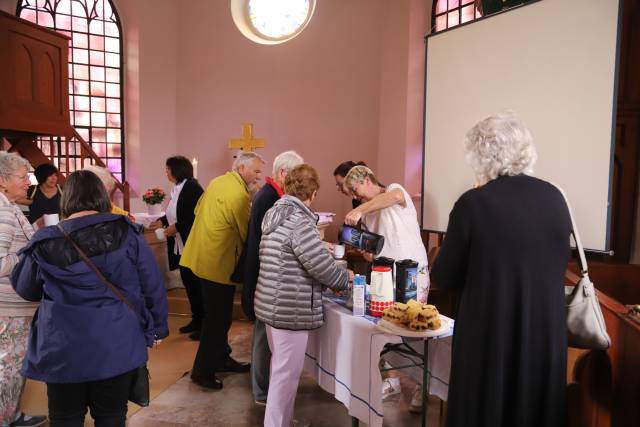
x=194, y=336
x=211, y=382
x=231, y=365
x=27, y=421
x=190, y=327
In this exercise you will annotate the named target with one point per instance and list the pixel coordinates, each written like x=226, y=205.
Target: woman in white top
x=389, y=211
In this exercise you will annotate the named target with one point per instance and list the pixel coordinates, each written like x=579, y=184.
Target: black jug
x=361, y=239
x=406, y=280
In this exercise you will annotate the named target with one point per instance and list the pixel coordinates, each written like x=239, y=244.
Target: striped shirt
x=15, y=231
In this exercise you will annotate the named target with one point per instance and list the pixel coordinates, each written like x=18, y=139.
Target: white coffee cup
x=51, y=219
x=160, y=234
x=338, y=251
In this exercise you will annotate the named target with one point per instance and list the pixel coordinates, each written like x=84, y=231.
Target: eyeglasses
x=21, y=177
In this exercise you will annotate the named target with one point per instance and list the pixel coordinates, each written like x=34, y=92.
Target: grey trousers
x=260, y=361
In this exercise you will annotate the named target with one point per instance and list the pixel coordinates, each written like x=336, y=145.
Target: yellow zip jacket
x=219, y=230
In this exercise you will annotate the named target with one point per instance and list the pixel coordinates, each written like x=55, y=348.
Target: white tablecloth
x=343, y=357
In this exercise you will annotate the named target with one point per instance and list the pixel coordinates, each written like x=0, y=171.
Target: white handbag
x=585, y=323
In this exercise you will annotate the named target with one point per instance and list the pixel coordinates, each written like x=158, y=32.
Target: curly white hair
x=500, y=145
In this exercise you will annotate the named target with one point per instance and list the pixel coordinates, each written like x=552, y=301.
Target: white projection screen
x=552, y=62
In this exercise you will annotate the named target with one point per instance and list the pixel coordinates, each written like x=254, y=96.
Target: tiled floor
x=177, y=402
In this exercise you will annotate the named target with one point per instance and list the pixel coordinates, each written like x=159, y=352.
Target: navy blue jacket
x=82, y=331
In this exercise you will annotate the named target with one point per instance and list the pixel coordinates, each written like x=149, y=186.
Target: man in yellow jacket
x=211, y=252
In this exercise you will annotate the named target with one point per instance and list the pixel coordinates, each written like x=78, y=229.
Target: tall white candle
x=194, y=162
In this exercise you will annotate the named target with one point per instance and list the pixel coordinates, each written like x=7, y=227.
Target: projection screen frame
x=608, y=250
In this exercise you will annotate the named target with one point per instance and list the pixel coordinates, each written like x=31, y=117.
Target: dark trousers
x=106, y=399
x=193, y=287
x=218, y=307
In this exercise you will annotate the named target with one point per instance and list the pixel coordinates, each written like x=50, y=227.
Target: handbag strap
x=576, y=235
x=95, y=269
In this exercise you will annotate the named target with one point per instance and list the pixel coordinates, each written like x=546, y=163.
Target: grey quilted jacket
x=294, y=266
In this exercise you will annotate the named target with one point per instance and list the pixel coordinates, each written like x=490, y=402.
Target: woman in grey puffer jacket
x=294, y=266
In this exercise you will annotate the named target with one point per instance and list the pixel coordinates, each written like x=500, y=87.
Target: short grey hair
x=10, y=162
x=500, y=145
x=245, y=158
x=286, y=161
x=357, y=174
x=105, y=176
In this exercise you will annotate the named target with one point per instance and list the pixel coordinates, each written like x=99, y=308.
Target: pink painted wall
x=348, y=88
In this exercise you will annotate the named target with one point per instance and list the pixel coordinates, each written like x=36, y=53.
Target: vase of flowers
x=153, y=197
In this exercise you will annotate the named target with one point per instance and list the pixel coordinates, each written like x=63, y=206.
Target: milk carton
x=358, y=292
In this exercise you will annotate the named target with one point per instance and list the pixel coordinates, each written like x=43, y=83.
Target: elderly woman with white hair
x=15, y=312
x=505, y=251
x=110, y=184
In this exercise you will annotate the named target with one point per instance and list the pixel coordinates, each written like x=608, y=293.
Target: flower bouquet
x=153, y=197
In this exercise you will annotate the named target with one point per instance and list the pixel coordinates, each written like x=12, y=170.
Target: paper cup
x=160, y=234
x=338, y=251
x=51, y=219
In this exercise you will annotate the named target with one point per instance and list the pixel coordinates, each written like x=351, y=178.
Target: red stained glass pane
x=113, y=90
x=97, y=42
x=453, y=4
x=111, y=29
x=113, y=120
x=113, y=75
x=114, y=165
x=81, y=118
x=113, y=105
x=80, y=72
x=112, y=60
x=118, y=176
x=45, y=19
x=29, y=15
x=113, y=135
x=98, y=119
x=97, y=57
x=111, y=44
x=100, y=149
x=71, y=101
x=454, y=19
x=80, y=40
x=441, y=23
x=467, y=1
x=96, y=27
x=97, y=73
x=98, y=104
x=82, y=103
x=80, y=24
x=80, y=56
x=63, y=22
x=97, y=89
x=64, y=7
x=113, y=150
x=468, y=13
x=77, y=9
x=99, y=134
x=80, y=87
x=84, y=133
x=441, y=6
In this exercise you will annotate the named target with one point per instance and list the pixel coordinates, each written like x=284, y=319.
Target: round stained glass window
x=269, y=21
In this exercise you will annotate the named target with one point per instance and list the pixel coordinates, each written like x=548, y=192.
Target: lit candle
x=194, y=162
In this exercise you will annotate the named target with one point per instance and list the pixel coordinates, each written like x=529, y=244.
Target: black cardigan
x=249, y=265
x=187, y=201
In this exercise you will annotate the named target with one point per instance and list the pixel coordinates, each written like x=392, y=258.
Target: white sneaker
x=390, y=387
x=416, y=400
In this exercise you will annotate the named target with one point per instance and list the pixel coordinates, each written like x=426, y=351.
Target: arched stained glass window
x=450, y=13
x=95, y=76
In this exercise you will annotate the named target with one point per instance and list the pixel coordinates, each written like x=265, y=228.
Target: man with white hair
x=249, y=268
x=211, y=253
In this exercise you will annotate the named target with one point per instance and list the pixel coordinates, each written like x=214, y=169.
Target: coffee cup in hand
x=160, y=234
x=50, y=219
x=338, y=251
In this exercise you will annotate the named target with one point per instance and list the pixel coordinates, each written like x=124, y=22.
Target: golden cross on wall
x=247, y=142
